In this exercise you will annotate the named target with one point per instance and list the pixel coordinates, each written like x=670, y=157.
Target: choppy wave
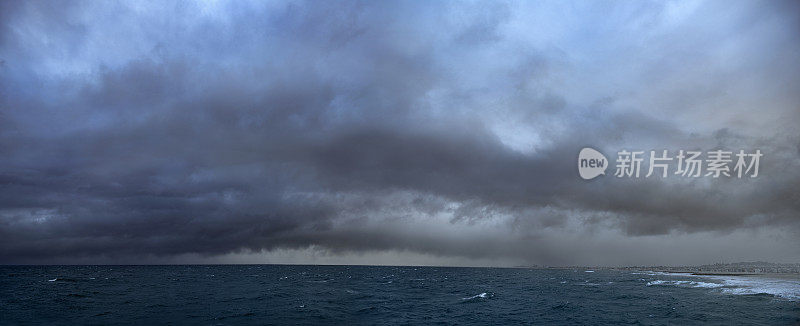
x=294, y=294
x=788, y=289
x=691, y=284
x=483, y=295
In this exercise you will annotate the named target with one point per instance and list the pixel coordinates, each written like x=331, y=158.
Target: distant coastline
x=719, y=269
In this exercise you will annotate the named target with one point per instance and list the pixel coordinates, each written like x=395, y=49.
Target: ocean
x=368, y=295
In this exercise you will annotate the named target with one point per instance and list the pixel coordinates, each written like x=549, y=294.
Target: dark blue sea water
x=276, y=294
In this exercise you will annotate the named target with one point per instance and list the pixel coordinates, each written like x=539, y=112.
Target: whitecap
x=742, y=285
x=788, y=289
x=689, y=284
x=482, y=295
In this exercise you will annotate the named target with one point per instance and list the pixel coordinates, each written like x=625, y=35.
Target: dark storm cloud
x=357, y=127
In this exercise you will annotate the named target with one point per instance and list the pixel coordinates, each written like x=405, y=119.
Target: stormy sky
x=393, y=132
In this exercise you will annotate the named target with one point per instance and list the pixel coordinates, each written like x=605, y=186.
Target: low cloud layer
x=392, y=132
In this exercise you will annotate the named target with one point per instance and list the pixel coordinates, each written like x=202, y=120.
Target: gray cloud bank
x=390, y=131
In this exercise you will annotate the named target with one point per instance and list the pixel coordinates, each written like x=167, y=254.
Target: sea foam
x=741, y=285
x=691, y=284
